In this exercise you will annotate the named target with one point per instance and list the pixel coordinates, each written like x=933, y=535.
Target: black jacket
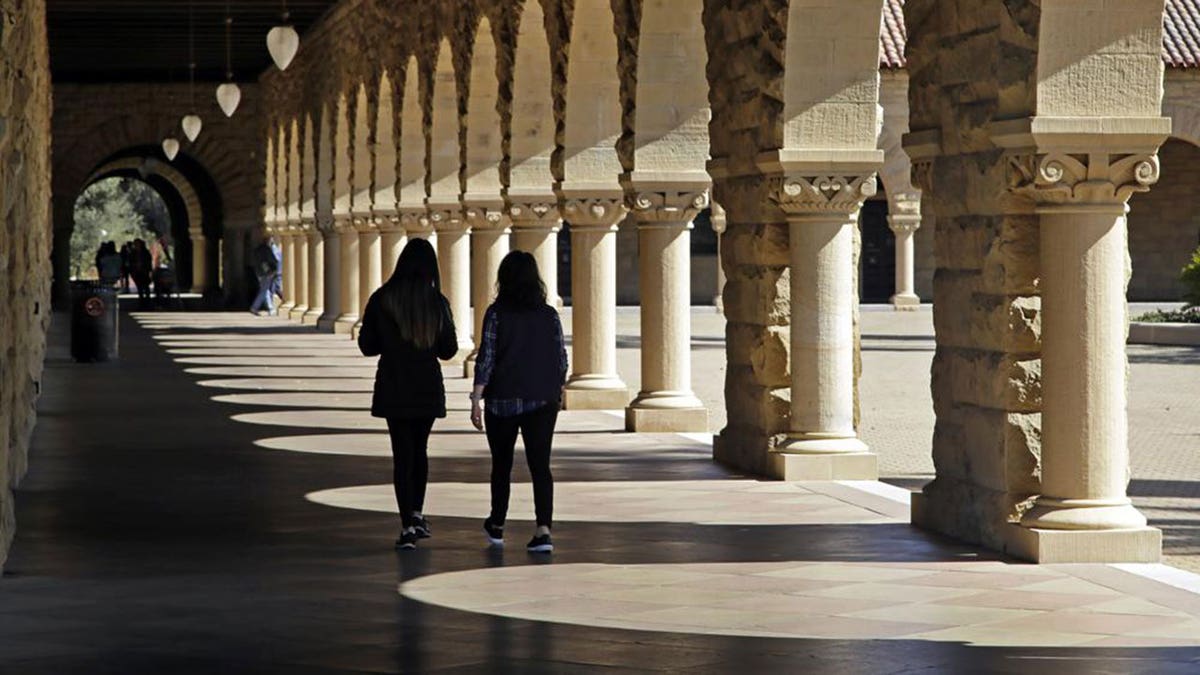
x=408, y=381
x=528, y=358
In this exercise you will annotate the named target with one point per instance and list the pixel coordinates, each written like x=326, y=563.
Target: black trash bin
x=93, y=321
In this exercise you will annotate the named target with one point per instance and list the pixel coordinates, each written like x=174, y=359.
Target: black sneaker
x=494, y=533
x=407, y=540
x=540, y=544
x=422, y=527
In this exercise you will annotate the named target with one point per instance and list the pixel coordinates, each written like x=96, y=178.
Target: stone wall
x=24, y=236
x=986, y=370
x=1164, y=225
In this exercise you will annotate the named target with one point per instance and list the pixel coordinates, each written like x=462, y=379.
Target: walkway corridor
x=218, y=501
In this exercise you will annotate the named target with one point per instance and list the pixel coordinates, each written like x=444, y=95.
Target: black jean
x=410, y=463
x=537, y=431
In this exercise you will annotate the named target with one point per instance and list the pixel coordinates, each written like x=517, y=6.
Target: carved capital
x=415, y=222
x=904, y=223
x=1058, y=179
x=484, y=218
x=800, y=195
x=922, y=173
x=666, y=206
x=534, y=214
x=447, y=219
x=594, y=213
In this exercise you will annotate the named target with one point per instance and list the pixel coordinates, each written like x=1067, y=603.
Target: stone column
x=333, y=278
x=666, y=401
x=594, y=383
x=1083, y=513
x=454, y=263
x=370, y=265
x=535, y=227
x=316, y=277
x=286, y=234
x=300, y=243
x=718, y=224
x=349, y=282
x=392, y=241
x=822, y=214
x=199, y=261
x=490, y=229
x=904, y=220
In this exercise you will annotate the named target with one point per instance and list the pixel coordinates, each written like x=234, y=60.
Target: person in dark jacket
x=408, y=324
x=519, y=373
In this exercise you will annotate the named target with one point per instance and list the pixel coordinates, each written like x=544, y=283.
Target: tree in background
x=114, y=209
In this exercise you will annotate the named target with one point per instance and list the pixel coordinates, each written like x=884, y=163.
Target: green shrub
x=1190, y=276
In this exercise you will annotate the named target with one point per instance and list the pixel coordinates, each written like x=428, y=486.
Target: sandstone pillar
x=349, y=281
x=535, y=228
x=1083, y=513
x=333, y=278
x=300, y=243
x=490, y=230
x=392, y=239
x=454, y=264
x=199, y=261
x=822, y=214
x=594, y=383
x=369, y=266
x=666, y=401
x=316, y=277
x=903, y=222
x=718, y=224
x=288, y=243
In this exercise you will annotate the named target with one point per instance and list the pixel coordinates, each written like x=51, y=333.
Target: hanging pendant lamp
x=283, y=42
x=191, y=122
x=170, y=148
x=229, y=95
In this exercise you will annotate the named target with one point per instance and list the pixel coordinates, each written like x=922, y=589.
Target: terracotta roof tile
x=1181, y=34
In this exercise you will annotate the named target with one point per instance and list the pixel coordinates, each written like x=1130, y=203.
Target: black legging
x=410, y=463
x=537, y=431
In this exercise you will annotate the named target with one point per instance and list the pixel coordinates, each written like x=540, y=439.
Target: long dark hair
x=412, y=297
x=518, y=284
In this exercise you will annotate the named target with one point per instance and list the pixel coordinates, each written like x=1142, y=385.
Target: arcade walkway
x=217, y=502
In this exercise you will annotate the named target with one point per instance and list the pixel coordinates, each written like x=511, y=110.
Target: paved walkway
x=217, y=501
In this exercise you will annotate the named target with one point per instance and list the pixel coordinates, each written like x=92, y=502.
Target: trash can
x=93, y=321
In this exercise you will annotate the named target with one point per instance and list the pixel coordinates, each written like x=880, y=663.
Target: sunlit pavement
x=218, y=501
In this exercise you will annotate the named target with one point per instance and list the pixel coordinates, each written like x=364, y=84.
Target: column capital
x=666, y=207
x=414, y=220
x=387, y=221
x=1095, y=181
x=535, y=213
x=602, y=213
x=444, y=218
x=479, y=218
x=831, y=194
x=342, y=223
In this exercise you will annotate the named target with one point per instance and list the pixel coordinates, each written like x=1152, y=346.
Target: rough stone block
x=1137, y=545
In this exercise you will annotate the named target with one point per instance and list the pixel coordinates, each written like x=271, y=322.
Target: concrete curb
x=1146, y=333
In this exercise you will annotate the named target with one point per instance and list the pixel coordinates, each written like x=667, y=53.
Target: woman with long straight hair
x=408, y=324
x=519, y=373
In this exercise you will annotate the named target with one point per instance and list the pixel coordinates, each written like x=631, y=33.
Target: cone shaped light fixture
x=283, y=42
x=191, y=127
x=170, y=148
x=229, y=95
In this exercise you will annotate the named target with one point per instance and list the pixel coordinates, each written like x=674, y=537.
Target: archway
x=1164, y=225
x=119, y=210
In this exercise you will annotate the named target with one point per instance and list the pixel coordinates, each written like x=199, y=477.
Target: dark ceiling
x=147, y=40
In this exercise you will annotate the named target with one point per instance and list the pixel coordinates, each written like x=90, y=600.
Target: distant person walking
x=519, y=374
x=408, y=324
x=108, y=264
x=267, y=265
x=140, y=268
x=125, y=256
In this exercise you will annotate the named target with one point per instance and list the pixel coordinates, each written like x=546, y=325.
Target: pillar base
x=297, y=313
x=1083, y=514
x=1133, y=545
x=344, y=324
x=595, y=392
x=790, y=466
x=905, y=302
x=669, y=411
x=355, y=330
x=326, y=323
x=285, y=310
x=311, y=317
x=821, y=444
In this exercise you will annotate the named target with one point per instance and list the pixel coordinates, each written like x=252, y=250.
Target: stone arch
x=308, y=169
x=293, y=200
x=1181, y=104
x=362, y=168
x=413, y=147
x=387, y=146
x=483, y=151
x=342, y=155
x=325, y=157
x=532, y=122
x=440, y=102
x=1164, y=224
x=591, y=114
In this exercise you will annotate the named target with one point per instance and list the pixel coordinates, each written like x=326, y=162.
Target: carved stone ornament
x=445, y=219
x=534, y=214
x=922, y=173
x=903, y=223
x=800, y=195
x=1097, y=179
x=594, y=212
x=414, y=221
x=667, y=206
x=482, y=218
